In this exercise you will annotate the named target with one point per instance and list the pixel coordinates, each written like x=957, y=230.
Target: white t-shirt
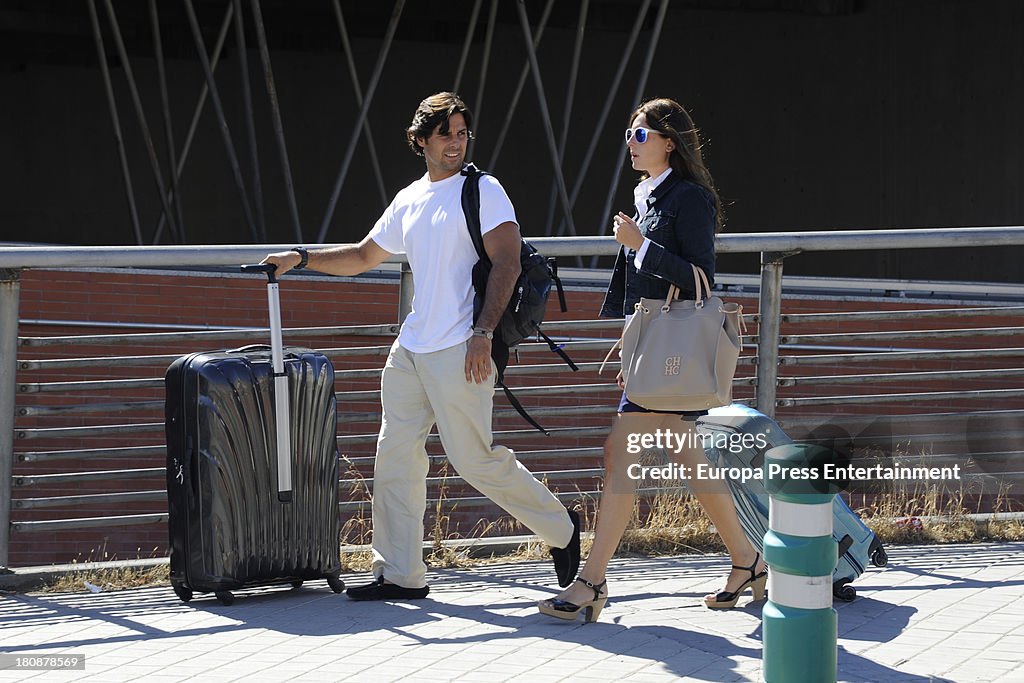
x=426, y=223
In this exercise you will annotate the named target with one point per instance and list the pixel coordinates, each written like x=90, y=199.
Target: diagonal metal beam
x=523, y=75
x=275, y=114
x=474, y=15
x=549, y=131
x=140, y=114
x=346, y=45
x=606, y=109
x=197, y=112
x=250, y=123
x=389, y=36
x=485, y=62
x=165, y=102
x=641, y=85
x=118, y=137
x=229, y=146
x=570, y=94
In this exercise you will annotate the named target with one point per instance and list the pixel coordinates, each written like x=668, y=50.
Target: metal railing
x=770, y=389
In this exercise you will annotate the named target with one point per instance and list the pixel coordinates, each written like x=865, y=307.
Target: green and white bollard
x=799, y=626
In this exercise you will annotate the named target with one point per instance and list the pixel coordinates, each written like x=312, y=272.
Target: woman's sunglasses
x=639, y=134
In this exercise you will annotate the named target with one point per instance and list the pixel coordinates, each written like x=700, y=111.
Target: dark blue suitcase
x=857, y=544
x=242, y=511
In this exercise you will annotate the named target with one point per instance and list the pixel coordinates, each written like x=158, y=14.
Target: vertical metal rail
x=229, y=145
x=250, y=123
x=350, y=149
x=474, y=16
x=346, y=45
x=10, y=291
x=118, y=137
x=567, y=113
x=140, y=114
x=581, y=175
x=165, y=102
x=549, y=131
x=769, y=310
x=485, y=62
x=200, y=105
x=275, y=115
x=604, y=220
x=510, y=111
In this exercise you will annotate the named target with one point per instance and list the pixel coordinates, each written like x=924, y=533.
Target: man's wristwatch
x=483, y=332
x=304, y=257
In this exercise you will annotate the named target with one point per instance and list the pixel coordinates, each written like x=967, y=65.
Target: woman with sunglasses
x=676, y=215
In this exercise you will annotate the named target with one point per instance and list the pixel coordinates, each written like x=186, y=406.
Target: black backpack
x=525, y=312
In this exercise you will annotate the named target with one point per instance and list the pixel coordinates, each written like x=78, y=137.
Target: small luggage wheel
x=183, y=592
x=879, y=558
x=225, y=597
x=296, y=584
x=335, y=582
x=843, y=591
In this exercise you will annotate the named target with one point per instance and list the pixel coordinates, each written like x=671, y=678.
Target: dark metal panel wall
x=900, y=115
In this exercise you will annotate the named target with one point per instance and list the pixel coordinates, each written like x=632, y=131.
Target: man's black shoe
x=378, y=590
x=567, y=559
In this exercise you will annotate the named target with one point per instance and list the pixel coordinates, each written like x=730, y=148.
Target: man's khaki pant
x=417, y=390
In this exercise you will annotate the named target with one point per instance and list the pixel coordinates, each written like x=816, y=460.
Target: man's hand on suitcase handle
x=284, y=260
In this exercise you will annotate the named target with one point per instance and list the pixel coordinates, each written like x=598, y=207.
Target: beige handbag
x=681, y=355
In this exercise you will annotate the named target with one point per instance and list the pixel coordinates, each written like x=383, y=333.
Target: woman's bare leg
x=617, y=499
x=715, y=498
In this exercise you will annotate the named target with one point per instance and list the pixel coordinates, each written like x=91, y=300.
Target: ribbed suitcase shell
x=227, y=527
x=857, y=544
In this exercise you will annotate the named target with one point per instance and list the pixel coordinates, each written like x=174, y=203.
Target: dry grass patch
x=674, y=522
x=111, y=579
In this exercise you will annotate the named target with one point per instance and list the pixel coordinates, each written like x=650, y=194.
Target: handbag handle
x=699, y=278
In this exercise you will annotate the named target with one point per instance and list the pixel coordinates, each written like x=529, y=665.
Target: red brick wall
x=153, y=298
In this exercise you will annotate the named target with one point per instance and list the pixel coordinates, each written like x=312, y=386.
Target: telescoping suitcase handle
x=281, y=410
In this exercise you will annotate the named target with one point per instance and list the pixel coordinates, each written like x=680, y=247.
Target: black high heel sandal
x=756, y=582
x=563, y=609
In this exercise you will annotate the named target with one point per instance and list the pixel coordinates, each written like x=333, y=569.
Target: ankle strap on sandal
x=757, y=558
x=596, y=587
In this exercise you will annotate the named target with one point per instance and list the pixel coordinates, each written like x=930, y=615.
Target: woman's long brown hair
x=669, y=118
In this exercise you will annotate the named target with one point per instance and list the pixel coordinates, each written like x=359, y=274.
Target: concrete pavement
x=936, y=613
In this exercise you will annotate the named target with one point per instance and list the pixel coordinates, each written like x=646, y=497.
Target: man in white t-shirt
x=440, y=368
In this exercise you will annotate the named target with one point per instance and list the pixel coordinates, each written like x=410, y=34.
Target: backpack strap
x=557, y=349
x=519, y=406
x=471, y=208
x=553, y=267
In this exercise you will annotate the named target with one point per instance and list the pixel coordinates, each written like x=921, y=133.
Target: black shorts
x=627, y=406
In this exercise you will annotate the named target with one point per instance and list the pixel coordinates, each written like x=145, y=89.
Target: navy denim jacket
x=680, y=222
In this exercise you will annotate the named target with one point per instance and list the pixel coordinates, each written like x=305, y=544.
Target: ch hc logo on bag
x=672, y=365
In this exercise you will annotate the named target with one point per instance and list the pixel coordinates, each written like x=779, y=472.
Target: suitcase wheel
x=183, y=592
x=879, y=558
x=297, y=583
x=845, y=592
x=335, y=582
x=225, y=597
